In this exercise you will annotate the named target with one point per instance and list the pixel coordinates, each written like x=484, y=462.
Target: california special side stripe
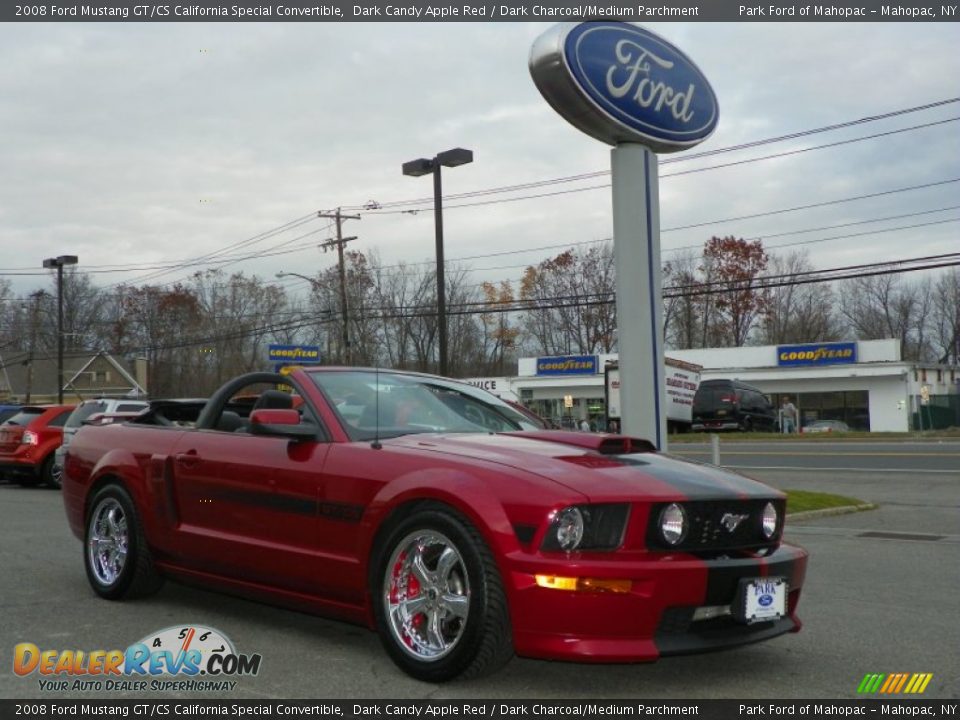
x=291, y=503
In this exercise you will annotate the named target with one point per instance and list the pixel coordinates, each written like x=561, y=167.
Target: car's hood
x=602, y=467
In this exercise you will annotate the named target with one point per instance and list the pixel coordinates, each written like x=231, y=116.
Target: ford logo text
x=621, y=83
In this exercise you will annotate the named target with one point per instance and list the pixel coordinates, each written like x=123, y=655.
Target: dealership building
x=865, y=384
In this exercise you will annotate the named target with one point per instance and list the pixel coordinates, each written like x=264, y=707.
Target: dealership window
x=553, y=410
x=850, y=406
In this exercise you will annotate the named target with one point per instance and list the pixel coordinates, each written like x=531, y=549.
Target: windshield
x=24, y=417
x=389, y=404
x=85, y=410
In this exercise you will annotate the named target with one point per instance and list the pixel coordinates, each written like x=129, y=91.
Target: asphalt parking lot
x=871, y=604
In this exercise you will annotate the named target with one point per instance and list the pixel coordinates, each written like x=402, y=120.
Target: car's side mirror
x=281, y=423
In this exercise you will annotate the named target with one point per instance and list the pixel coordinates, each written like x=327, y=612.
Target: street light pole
x=315, y=286
x=441, y=276
x=59, y=263
x=423, y=166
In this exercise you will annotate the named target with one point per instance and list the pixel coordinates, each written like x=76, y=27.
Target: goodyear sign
x=299, y=354
x=844, y=353
x=567, y=365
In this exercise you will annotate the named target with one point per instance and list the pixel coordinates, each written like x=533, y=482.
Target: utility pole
x=32, y=350
x=340, y=241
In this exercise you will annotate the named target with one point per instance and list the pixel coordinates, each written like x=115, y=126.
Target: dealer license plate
x=763, y=599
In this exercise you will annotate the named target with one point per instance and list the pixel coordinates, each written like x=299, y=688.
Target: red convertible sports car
x=431, y=511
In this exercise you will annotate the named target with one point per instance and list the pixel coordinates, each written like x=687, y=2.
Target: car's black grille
x=718, y=526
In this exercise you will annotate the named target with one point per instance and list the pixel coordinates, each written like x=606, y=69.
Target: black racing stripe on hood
x=698, y=481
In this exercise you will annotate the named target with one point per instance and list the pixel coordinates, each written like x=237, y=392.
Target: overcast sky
x=145, y=144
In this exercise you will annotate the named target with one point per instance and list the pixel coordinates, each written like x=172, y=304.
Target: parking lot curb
x=827, y=512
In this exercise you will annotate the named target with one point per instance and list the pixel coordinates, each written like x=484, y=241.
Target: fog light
x=709, y=612
x=769, y=520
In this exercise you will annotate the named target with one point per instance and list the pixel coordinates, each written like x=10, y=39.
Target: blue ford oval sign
x=618, y=82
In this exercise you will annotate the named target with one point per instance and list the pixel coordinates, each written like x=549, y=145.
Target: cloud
x=147, y=143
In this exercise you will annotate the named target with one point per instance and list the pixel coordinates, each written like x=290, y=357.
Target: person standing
x=788, y=416
x=585, y=425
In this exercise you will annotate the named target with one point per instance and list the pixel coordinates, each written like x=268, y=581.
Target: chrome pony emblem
x=731, y=520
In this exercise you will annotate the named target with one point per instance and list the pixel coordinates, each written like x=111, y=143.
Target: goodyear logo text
x=820, y=354
x=300, y=353
x=567, y=365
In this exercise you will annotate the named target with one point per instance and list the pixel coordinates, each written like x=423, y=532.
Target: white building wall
x=889, y=405
x=889, y=382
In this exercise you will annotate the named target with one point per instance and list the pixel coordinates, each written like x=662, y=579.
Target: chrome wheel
x=426, y=595
x=107, y=541
x=56, y=475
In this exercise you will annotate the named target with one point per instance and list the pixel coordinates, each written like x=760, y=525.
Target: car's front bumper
x=699, y=426
x=18, y=466
x=656, y=617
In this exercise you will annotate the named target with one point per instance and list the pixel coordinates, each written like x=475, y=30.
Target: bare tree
x=571, y=297
x=945, y=317
x=683, y=309
x=499, y=335
x=797, y=313
x=161, y=324
x=884, y=306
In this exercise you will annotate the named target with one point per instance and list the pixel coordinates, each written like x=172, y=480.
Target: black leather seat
x=274, y=400
x=230, y=422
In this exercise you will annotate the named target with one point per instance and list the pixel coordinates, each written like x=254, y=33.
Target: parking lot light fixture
x=59, y=263
x=425, y=166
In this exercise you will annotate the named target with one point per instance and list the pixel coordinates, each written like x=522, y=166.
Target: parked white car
x=826, y=426
x=86, y=410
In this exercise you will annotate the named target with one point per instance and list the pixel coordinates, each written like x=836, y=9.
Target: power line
x=163, y=269
x=680, y=158
x=747, y=161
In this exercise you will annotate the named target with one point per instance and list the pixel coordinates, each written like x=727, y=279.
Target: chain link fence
x=940, y=413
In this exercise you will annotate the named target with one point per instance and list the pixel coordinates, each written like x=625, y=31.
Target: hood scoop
x=603, y=444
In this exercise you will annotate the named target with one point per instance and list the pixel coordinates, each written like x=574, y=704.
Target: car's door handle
x=188, y=459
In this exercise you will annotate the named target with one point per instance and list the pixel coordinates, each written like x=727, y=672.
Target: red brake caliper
x=412, y=591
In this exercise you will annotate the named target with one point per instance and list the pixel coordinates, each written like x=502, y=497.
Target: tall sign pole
x=630, y=88
x=636, y=249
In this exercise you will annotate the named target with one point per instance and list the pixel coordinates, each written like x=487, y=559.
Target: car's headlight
x=569, y=528
x=673, y=523
x=587, y=527
x=770, y=520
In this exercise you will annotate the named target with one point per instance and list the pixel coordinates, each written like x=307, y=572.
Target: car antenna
x=376, y=426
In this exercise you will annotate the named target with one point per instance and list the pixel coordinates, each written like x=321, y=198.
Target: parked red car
x=28, y=441
x=436, y=514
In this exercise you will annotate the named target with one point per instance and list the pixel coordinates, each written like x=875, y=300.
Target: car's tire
x=746, y=425
x=463, y=629
x=51, y=474
x=115, y=552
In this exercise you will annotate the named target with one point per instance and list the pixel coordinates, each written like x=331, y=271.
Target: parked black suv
x=731, y=405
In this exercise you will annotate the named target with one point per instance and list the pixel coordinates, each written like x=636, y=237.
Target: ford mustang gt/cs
x=437, y=515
